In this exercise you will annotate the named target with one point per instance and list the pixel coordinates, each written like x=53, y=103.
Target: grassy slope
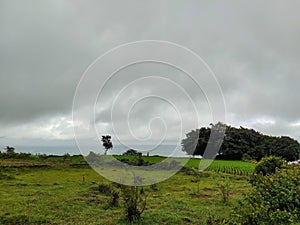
x=58, y=195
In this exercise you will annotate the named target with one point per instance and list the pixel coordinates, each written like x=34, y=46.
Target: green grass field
x=58, y=193
x=223, y=166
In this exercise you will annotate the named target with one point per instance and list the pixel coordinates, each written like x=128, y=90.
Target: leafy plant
x=196, y=179
x=135, y=200
x=223, y=184
x=274, y=199
x=268, y=165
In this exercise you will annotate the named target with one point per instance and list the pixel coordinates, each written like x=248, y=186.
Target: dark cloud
x=46, y=46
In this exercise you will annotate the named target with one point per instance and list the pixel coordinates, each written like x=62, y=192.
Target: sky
x=46, y=46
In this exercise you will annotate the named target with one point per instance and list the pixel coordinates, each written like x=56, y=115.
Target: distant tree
x=66, y=157
x=106, y=142
x=132, y=152
x=10, y=150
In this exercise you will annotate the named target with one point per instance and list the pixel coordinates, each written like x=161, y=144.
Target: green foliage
x=132, y=152
x=274, y=199
x=11, y=154
x=37, y=193
x=10, y=150
x=106, y=142
x=232, y=167
x=246, y=157
x=15, y=220
x=268, y=165
x=240, y=143
x=135, y=160
x=196, y=178
x=66, y=157
x=134, y=202
x=223, y=184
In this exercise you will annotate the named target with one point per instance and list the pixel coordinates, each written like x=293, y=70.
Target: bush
x=268, y=165
x=134, y=203
x=274, y=199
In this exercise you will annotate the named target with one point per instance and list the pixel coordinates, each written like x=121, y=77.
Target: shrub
x=273, y=199
x=196, y=179
x=134, y=203
x=268, y=165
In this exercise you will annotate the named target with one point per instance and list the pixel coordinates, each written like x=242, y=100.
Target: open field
x=59, y=193
x=223, y=166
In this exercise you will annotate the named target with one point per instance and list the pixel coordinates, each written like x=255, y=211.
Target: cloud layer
x=252, y=47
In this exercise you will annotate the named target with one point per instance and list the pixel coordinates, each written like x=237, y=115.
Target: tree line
x=240, y=143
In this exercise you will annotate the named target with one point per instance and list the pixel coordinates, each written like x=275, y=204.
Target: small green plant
x=196, y=179
x=223, y=183
x=135, y=200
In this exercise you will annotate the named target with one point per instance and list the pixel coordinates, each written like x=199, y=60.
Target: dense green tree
x=239, y=142
x=196, y=141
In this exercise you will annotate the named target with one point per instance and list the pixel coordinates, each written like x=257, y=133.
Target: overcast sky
x=45, y=46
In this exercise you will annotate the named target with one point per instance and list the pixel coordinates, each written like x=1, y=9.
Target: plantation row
x=226, y=166
x=232, y=167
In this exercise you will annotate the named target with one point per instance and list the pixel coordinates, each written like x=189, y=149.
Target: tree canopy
x=106, y=142
x=241, y=142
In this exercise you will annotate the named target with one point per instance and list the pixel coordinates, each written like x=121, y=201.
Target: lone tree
x=9, y=150
x=106, y=142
